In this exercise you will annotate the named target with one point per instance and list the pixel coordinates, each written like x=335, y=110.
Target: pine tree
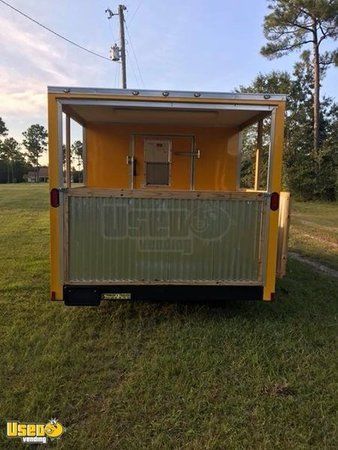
x=3, y=132
x=77, y=151
x=274, y=82
x=306, y=174
x=10, y=153
x=293, y=24
x=312, y=175
x=35, y=142
x=3, y=128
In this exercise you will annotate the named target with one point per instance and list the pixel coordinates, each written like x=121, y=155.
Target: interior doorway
x=165, y=162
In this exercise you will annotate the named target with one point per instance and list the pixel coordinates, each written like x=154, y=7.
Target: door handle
x=196, y=154
x=132, y=160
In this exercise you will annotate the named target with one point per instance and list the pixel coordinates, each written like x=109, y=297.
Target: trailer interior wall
x=108, y=146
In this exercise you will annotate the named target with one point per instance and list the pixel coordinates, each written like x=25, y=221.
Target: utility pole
x=119, y=53
x=123, y=47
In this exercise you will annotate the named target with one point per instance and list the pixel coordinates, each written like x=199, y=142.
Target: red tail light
x=53, y=296
x=274, y=201
x=54, y=198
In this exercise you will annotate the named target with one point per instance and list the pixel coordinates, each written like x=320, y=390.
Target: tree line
x=15, y=163
x=311, y=127
x=17, y=159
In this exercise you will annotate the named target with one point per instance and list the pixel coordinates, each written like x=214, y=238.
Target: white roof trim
x=165, y=94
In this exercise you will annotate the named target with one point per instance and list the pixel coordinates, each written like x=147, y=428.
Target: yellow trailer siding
x=275, y=180
x=55, y=216
x=109, y=145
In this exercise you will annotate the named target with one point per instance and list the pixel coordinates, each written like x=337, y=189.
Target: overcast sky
x=180, y=44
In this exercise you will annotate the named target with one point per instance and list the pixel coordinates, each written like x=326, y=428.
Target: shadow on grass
x=303, y=298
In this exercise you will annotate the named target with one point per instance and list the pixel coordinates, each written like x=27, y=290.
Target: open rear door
x=283, y=233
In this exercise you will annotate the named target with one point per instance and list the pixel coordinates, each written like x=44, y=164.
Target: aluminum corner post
x=274, y=185
x=56, y=182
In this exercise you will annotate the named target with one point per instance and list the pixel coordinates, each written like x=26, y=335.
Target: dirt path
x=318, y=267
x=319, y=239
x=313, y=224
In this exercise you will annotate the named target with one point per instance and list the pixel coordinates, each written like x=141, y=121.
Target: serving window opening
x=255, y=152
x=72, y=147
x=178, y=147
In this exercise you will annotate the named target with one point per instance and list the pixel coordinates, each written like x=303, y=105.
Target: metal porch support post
x=258, y=155
x=84, y=155
x=55, y=182
x=68, y=156
x=274, y=185
x=239, y=160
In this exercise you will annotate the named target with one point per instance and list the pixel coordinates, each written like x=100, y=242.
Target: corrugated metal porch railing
x=188, y=238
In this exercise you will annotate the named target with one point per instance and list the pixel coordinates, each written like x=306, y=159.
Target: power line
x=116, y=75
x=136, y=10
x=134, y=53
x=54, y=32
x=132, y=67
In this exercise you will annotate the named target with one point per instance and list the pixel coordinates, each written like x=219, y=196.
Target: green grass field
x=140, y=375
x=314, y=231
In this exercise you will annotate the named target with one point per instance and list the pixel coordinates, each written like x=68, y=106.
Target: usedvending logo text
x=34, y=433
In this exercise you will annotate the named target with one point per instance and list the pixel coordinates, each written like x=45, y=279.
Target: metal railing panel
x=165, y=240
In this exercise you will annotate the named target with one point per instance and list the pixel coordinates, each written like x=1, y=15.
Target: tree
x=295, y=23
x=3, y=128
x=63, y=155
x=277, y=82
x=310, y=174
x=77, y=151
x=3, y=132
x=307, y=175
x=35, y=142
x=11, y=154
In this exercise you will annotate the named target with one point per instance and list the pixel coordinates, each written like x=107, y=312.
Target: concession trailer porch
x=161, y=212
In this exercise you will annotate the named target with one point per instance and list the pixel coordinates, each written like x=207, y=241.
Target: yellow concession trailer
x=161, y=212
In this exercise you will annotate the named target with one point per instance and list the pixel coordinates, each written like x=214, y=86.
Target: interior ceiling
x=201, y=118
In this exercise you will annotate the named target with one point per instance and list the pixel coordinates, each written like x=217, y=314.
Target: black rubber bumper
x=92, y=295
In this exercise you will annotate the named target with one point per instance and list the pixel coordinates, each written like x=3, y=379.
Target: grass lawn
x=314, y=231
x=139, y=375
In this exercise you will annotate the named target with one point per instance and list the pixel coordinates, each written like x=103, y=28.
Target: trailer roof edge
x=166, y=94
